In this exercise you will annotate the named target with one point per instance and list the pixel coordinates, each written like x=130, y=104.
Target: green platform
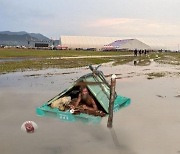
x=99, y=89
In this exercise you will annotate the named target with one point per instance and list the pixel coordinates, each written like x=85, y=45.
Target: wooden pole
x=111, y=100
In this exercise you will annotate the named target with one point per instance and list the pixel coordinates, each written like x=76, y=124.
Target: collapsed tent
x=98, y=88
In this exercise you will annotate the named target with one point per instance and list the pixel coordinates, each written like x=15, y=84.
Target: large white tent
x=85, y=42
x=156, y=43
x=129, y=44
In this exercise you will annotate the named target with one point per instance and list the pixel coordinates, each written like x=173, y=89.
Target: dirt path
x=79, y=57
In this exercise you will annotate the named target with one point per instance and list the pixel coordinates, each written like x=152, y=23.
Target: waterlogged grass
x=41, y=59
x=169, y=58
x=122, y=60
x=142, y=60
x=47, y=63
x=155, y=75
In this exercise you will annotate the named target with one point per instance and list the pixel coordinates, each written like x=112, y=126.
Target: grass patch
x=40, y=60
x=142, y=60
x=33, y=53
x=47, y=63
x=169, y=58
x=155, y=75
x=122, y=60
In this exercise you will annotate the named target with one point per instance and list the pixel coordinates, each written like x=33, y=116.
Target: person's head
x=84, y=90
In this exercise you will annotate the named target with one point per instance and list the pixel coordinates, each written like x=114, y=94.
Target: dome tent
x=98, y=88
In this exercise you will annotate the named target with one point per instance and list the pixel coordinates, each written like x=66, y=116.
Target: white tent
x=129, y=44
x=85, y=42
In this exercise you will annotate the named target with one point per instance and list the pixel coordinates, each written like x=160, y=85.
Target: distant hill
x=22, y=36
x=39, y=36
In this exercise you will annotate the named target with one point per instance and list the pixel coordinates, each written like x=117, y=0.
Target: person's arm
x=78, y=101
x=93, y=108
x=94, y=105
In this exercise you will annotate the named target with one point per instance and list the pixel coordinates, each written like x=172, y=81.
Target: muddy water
x=149, y=125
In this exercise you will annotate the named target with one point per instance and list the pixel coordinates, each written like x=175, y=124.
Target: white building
x=87, y=42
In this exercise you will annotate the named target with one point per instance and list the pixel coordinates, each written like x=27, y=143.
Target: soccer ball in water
x=29, y=127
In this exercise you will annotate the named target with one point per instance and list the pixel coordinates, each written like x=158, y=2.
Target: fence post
x=111, y=100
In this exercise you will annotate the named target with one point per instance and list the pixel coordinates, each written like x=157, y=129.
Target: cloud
x=111, y=22
x=154, y=33
x=134, y=26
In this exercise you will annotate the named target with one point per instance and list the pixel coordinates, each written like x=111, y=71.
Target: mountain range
x=22, y=36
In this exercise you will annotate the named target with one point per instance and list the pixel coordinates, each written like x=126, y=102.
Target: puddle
x=140, y=128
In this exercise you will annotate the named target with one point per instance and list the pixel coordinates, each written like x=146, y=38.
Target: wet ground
x=149, y=125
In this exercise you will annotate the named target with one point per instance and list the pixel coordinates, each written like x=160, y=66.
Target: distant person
x=145, y=52
x=85, y=100
x=140, y=52
x=135, y=62
x=135, y=52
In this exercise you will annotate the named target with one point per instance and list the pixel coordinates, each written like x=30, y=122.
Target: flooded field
x=149, y=125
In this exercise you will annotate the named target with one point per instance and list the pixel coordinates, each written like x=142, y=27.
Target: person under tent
x=85, y=100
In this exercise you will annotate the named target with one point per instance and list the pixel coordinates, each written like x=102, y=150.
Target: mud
x=149, y=125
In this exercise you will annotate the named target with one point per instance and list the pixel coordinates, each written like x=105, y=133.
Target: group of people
x=140, y=52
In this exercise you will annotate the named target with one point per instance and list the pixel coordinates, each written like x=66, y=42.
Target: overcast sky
x=122, y=18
